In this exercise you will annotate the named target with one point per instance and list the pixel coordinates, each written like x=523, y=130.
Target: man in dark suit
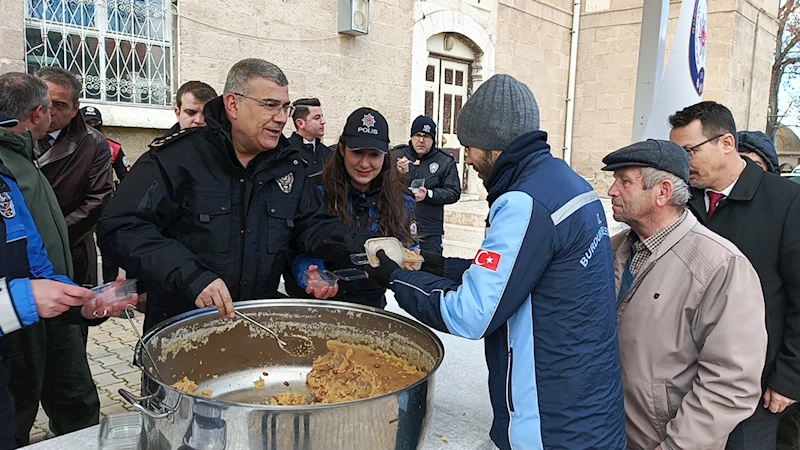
x=760, y=213
x=310, y=123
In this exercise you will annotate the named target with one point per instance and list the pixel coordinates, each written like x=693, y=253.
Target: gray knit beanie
x=501, y=110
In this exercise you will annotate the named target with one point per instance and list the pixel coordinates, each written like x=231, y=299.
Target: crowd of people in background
x=681, y=332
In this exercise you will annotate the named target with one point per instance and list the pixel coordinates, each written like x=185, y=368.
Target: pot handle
x=136, y=402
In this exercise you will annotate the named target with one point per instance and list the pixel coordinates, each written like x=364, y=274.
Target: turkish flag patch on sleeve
x=487, y=260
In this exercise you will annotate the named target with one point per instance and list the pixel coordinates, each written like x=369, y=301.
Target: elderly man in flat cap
x=689, y=307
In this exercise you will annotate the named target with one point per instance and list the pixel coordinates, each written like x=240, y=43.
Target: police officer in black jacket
x=208, y=214
x=310, y=124
x=421, y=160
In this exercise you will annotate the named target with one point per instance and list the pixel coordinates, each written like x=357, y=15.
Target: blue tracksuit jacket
x=23, y=257
x=541, y=294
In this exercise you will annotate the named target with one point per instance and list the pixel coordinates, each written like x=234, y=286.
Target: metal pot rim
x=289, y=302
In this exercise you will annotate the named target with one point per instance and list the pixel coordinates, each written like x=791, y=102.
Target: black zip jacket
x=314, y=156
x=189, y=213
x=438, y=168
x=762, y=218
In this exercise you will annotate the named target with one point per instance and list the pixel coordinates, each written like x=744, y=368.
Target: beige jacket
x=692, y=341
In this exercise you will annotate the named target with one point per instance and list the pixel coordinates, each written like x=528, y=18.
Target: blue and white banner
x=684, y=77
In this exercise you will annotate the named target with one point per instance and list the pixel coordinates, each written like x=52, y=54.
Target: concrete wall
x=746, y=95
x=300, y=36
x=529, y=39
x=607, y=69
x=12, y=36
x=533, y=45
x=134, y=141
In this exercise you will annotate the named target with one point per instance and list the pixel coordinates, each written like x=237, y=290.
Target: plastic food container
x=114, y=292
x=394, y=250
x=326, y=279
x=122, y=432
x=416, y=185
x=350, y=274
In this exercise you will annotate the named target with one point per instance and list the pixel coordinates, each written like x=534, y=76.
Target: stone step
x=465, y=234
x=471, y=213
x=465, y=219
x=456, y=249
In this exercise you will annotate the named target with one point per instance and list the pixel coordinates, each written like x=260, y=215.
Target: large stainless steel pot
x=227, y=357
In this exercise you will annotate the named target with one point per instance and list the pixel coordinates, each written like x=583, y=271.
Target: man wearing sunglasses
x=214, y=227
x=760, y=213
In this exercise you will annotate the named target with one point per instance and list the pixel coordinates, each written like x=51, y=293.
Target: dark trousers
x=48, y=364
x=6, y=410
x=755, y=433
x=789, y=429
x=432, y=243
x=110, y=271
x=84, y=262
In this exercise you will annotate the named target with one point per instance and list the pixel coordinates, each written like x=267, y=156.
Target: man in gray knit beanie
x=501, y=110
x=543, y=278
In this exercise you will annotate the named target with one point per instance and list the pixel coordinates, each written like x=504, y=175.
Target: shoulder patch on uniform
x=166, y=140
x=6, y=206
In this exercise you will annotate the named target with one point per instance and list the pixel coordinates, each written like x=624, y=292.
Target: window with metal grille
x=121, y=50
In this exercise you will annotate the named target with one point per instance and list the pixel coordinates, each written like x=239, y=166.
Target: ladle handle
x=136, y=402
x=243, y=316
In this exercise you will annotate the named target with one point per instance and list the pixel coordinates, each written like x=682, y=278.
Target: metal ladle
x=300, y=346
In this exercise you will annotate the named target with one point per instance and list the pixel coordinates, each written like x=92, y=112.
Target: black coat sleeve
x=785, y=379
x=323, y=235
x=120, y=165
x=450, y=191
x=132, y=233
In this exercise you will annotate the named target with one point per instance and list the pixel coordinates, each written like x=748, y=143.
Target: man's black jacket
x=441, y=176
x=189, y=213
x=314, y=156
x=762, y=218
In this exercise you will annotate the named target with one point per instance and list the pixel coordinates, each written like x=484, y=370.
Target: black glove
x=434, y=263
x=382, y=274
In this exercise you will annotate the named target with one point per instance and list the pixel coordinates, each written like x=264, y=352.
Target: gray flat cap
x=662, y=155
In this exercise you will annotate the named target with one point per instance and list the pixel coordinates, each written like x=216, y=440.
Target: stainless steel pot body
x=227, y=357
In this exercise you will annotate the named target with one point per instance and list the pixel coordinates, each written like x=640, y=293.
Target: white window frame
x=153, y=92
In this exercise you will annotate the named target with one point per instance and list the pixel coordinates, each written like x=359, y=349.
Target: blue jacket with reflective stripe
x=541, y=294
x=23, y=257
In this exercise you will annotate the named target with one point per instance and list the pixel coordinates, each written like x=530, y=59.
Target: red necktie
x=713, y=201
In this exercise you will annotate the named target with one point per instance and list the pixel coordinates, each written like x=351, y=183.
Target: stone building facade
x=419, y=57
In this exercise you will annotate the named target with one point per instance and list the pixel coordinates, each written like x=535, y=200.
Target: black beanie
x=424, y=124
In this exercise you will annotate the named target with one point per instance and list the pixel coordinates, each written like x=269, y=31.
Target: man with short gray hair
x=25, y=98
x=48, y=359
x=215, y=228
x=689, y=308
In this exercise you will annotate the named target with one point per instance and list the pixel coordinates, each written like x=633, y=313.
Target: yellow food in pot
x=190, y=387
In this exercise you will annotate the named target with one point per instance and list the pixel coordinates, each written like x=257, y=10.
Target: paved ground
x=110, y=352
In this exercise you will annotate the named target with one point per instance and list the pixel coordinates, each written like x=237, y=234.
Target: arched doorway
x=448, y=83
x=452, y=54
